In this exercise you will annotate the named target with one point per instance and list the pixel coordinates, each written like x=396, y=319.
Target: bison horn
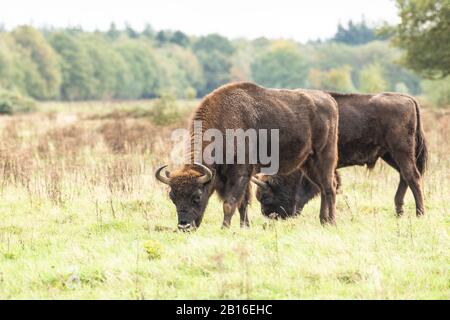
x=260, y=183
x=207, y=176
x=158, y=175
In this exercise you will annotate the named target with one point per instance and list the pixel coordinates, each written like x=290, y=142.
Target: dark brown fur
x=386, y=126
x=307, y=122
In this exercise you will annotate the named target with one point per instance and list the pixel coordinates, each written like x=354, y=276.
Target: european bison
x=307, y=123
x=386, y=125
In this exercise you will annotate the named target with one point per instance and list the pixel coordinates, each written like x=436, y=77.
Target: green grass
x=103, y=244
x=70, y=252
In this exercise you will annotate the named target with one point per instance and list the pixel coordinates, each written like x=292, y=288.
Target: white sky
x=301, y=20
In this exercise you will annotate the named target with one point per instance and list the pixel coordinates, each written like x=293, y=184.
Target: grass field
x=82, y=217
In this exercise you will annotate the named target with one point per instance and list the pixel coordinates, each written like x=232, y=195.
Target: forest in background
x=123, y=63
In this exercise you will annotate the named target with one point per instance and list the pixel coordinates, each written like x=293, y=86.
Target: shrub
x=438, y=91
x=190, y=93
x=371, y=79
x=165, y=110
x=13, y=102
x=334, y=79
x=401, y=87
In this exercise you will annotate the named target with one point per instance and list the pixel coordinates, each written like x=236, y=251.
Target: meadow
x=82, y=217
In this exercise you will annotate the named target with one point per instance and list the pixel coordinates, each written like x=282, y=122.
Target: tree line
x=123, y=63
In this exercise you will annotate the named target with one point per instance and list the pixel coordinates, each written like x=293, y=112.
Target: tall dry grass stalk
x=59, y=158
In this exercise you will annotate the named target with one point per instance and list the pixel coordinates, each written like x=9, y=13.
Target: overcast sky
x=298, y=19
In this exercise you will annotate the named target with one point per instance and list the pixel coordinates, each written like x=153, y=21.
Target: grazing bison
x=286, y=195
x=307, y=123
x=386, y=126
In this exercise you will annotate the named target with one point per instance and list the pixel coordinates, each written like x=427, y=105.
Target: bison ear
x=167, y=173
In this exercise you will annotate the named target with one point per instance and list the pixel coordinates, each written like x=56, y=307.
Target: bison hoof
x=245, y=225
x=328, y=221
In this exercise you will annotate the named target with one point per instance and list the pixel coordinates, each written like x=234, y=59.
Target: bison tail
x=421, y=143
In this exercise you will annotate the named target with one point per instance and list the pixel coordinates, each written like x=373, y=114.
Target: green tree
x=328, y=56
x=143, y=72
x=401, y=87
x=282, y=66
x=148, y=32
x=335, y=79
x=77, y=68
x=424, y=33
x=371, y=79
x=163, y=36
x=11, y=73
x=113, y=33
x=214, y=53
x=131, y=33
x=180, y=39
x=438, y=91
x=356, y=33
x=46, y=60
x=241, y=61
x=107, y=64
x=180, y=70
x=17, y=69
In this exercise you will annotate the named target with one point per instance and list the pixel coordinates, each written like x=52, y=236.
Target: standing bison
x=386, y=126
x=307, y=124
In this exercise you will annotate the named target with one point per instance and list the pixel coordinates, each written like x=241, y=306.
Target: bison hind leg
x=412, y=177
x=402, y=186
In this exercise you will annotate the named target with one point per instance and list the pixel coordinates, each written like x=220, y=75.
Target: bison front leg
x=330, y=196
x=316, y=180
x=243, y=208
x=236, y=196
x=306, y=191
x=229, y=207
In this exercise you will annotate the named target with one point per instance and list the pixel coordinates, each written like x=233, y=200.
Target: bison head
x=286, y=195
x=276, y=195
x=190, y=188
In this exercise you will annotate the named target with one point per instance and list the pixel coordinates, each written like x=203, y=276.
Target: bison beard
x=307, y=123
x=386, y=126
